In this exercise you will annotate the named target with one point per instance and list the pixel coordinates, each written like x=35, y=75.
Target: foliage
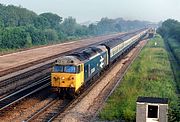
x=53, y=19
x=41, y=22
x=15, y=37
x=170, y=29
x=69, y=26
x=16, y=16
x=33, y=29
x=106, y=26
x=150, y=75
x=50, y=34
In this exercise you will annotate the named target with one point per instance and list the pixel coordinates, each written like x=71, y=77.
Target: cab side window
x=78, y=69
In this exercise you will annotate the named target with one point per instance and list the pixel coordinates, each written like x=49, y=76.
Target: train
x=72, y=72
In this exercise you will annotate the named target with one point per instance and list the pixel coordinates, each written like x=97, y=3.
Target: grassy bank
x=150, y=75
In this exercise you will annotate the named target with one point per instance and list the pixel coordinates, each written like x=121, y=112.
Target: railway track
x=21, y=94
x=105, y=93
x=58, y=107
x=48, y=112
x=47, y=116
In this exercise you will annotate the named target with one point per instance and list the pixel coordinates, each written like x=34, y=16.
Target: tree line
x=170, y=29
x=20, y=27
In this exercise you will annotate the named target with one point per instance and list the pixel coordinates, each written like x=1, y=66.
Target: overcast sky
x=84, y=10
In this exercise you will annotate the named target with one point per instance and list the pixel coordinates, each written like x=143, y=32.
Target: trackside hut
x=151, y=109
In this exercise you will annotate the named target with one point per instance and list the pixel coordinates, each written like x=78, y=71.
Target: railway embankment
x=150, y=75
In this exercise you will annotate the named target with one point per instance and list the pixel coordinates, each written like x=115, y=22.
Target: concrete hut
x=151, y=109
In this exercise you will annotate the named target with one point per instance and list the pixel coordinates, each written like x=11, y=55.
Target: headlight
x=72, y=85
x=71, y=78
x=56, y=78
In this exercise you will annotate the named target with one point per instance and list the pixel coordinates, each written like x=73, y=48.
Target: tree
x=16, y=16
x=14, y=37
x=41, y=22
x=106, y=26
x=170, y=29
x=118, y=27
x=1, y=23
x=81, y=30
x=50, y=35
x=92, y=29
x=53, y=19
x=69, y=26
x=1, y=39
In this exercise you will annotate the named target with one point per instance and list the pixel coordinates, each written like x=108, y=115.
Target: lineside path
x=20, y=58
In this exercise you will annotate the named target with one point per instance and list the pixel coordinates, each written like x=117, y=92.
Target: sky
x=94, y=10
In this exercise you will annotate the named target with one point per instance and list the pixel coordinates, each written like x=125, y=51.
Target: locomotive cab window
x=66, y=68
x=58, y=68
x=72, y=69
x=78, y=69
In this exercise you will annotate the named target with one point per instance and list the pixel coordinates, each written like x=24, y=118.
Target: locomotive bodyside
x=94, y=65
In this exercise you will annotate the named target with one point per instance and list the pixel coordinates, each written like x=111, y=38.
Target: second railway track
x=19, y=95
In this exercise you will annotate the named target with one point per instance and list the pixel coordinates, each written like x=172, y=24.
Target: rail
x=19, y=95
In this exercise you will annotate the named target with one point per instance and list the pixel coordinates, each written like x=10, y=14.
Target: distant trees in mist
x=21, y=28
x=170, y=29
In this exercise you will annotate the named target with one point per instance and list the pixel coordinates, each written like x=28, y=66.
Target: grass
x=150, y=75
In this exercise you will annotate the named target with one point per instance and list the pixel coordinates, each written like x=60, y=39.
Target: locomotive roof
x=68, y=60
x=87, y=53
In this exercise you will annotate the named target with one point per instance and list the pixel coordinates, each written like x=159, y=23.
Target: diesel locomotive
x=72, y=72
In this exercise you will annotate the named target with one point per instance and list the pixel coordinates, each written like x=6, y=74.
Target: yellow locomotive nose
x=63, y=80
